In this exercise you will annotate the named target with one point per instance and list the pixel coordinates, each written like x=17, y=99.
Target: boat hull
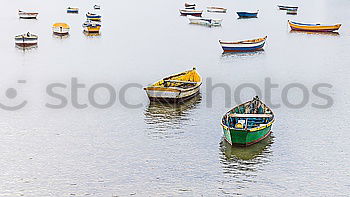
x=313, y=27
x=245, y=137
x=281, y=7
x=190, y=13
x=242, y=48
x=60, y=31
x=92, y=29
x=28, y=16
x=217, y=10
x=170, y=95
x=247, y=15
x=204, y=21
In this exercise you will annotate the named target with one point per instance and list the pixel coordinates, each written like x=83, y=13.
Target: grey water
x=171, y=150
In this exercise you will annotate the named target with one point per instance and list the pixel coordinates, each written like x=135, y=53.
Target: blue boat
x=248, y=14
x=93, y=17
x=243, y=46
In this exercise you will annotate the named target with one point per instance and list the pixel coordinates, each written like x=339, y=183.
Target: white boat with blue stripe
x=243, y=46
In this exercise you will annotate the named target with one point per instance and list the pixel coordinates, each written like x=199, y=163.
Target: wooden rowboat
x=286, y=7
x=313, y=27
x=243, y=46
x=204, y=21
x=72, y=10
x=247, y=123
x=216, y=9
x=93, y=17
x=175, y=88
x=27, y=15
x=26, y=40
x=60, y=29
x=191, y=12
x=248, y=14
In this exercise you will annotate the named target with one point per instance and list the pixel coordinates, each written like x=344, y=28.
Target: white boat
x=97, y=7
x=216, y=9
x=27, y=15
x=26, y=40
x=175, y=88
x=204, y=21
x=60, y=28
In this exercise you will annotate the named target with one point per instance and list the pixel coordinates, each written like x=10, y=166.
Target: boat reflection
x=315, y=33
x=91, y=35
x=248, y=153
x=26, y=48
x=168, y=119
x=225, y=55
x=60, y=36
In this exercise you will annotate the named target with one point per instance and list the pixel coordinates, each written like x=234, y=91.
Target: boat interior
x=184, y=80
x=251, y=114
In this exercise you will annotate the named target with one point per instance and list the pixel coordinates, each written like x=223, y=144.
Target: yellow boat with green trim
x=247, y=123
x=175, y=88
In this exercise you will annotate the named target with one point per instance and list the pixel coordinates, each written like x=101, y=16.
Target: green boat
x=247, y=123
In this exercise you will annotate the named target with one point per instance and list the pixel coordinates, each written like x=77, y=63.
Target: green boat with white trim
x=247, y=123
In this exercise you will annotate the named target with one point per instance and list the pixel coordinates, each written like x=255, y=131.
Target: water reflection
x=26, y=48
x=91, y=35
x=168, y=119
x=315, y=33
x=60, y=36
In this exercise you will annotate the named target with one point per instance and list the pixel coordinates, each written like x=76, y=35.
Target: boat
x=248, y=14
x=97, y=7
x=243, y=46
x=292, y=11
x=26, y=40
x=313, y=27
x=216, y=9
x=191, y=12
x=72, y=10
x=93, y=17
x=175, y=88
x=27, y=15
x=247, y=123
x=187, y=5
x=204, y=21
x=60, y=29
x=91, y=27
x=286, y=7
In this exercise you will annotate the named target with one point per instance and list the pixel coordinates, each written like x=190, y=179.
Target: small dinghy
x=247, y=123
x=73, y=10
x=91, y=27
x=287, y=7
x=190, y=6
x=26, y=40
x=191, y=12
x=204, y=21
x=248, y=14
x=97, y=7
x=93, y=17
x=313, y=27
x=27, y=15
x=60, y=29
x=216, y=9
x=243, y=46
x=175, y=88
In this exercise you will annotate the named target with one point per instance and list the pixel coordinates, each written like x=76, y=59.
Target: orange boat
x=313, y=27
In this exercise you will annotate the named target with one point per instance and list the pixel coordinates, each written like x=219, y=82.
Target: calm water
x=171, y=150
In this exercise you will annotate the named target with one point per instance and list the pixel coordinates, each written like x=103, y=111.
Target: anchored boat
x=313, y=27
x=93, y=17
x=243, y=46
x=286, y=7
x=190, y=6
x=204, y=21
x=247, y=123
x=27, y=15
x=175, y=88
x=72, y=10
x=248, y=14
x=216, y=9
x=292, y=11
x=60, y=29
x=191, y=12
x=91, y=27
x=97, y=7
x=26, y=40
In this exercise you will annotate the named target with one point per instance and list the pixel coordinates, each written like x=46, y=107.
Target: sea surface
x=136, y=148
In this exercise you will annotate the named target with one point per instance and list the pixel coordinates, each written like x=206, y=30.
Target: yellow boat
x=91, y=27
x=175, y=88
x=60, y=28
x=313, y=27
